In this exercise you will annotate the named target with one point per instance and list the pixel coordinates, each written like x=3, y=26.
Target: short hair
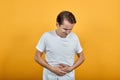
x=65, y=15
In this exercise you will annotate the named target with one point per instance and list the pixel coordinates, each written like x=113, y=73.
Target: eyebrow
x=67, y=29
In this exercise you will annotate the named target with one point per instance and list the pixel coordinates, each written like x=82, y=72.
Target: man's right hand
x=60, y=69
x=57, y=70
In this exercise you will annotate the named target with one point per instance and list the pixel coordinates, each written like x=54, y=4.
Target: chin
x=65, y=36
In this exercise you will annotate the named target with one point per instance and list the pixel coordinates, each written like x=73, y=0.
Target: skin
x=61, y=69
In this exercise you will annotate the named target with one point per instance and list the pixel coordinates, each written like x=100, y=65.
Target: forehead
x=67, y=24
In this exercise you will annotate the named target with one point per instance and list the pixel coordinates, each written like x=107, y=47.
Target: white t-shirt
x=59, y=50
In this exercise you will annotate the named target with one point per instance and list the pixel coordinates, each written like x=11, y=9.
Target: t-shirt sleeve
x=41, y=43
x=78, y=47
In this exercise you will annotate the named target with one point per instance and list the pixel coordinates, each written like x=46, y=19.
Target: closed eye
x=67, y=29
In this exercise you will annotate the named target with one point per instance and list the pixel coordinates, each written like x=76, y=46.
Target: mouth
x=65, y=34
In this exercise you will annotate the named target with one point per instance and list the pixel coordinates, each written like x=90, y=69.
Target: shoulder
x=74, y=35
x=47, y=34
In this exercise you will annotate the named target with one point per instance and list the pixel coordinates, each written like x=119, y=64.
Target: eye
x=65, y=29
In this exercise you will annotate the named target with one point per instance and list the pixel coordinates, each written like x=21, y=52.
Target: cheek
x=62, y=30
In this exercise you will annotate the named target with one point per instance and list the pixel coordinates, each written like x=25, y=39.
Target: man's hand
x=61, y=69
x=58, y=70
x=66, y=68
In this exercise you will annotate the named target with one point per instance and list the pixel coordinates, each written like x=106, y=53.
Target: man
x=60, y=46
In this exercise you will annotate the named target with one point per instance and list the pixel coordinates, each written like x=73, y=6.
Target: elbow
x=35, y=58
x=83, y=59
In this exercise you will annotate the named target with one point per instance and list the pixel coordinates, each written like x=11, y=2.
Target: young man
x=60, y=46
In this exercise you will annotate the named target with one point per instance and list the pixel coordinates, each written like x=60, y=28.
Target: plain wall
x=22, y=22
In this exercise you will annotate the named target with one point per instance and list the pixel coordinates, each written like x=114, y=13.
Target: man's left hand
x=66, y=68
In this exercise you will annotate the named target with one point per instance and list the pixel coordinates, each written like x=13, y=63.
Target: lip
x=65, y=33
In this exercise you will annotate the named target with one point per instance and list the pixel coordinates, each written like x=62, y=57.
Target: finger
x=63, y=72
x=59, y=66
x=64, y=65
x=63, y=68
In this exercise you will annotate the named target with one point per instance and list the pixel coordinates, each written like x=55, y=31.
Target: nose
x=67, y=31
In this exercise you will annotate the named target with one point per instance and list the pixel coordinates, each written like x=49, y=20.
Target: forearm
x=42, y=62
x=77, y=63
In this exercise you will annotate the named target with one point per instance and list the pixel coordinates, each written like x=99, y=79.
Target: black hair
x=66, y=15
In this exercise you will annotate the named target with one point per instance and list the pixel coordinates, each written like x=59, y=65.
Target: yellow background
x=22, y=22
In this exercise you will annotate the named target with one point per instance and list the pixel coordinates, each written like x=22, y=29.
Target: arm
x=77, y=63
x=42, y=62
x=39, y=60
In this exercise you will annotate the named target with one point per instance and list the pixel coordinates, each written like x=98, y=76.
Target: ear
x=57, y=24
